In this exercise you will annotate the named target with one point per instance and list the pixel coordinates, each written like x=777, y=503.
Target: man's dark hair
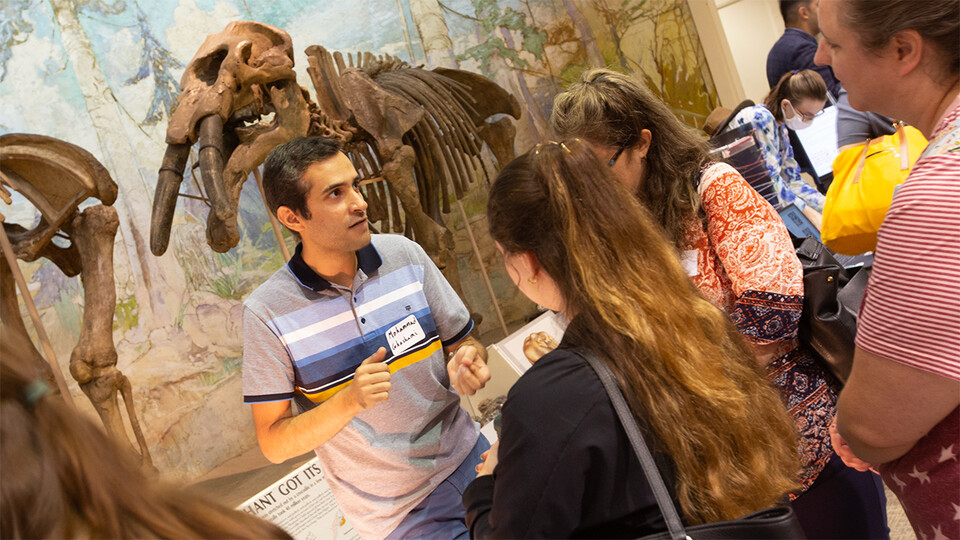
x=789, y=10
x=284, y=168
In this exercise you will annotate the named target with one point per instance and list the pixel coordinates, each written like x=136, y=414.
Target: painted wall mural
x=104, y=75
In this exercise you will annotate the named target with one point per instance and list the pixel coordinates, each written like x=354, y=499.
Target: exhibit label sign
x=301, y=503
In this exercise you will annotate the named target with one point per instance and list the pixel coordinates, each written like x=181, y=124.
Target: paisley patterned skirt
x=810, y=395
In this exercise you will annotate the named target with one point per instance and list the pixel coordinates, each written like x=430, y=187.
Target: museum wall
x=749, y=49
x=105, y=76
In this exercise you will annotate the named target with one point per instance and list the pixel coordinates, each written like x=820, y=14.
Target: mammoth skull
x=239, y=99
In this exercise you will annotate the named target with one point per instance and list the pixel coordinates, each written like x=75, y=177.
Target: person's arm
x=905, y=376
x=468, y=366
x=816, y=218
x=282, y=435
x=766, y=132
x=754, y=247
x=886, y=406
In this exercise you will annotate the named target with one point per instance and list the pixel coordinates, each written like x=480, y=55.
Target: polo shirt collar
x=803, y=33
x=368, y=261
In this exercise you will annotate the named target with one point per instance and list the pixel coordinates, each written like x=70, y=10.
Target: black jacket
x=795, y=50
x=565, y=468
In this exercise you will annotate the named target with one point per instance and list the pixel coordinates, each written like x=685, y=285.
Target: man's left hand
x=467, y=369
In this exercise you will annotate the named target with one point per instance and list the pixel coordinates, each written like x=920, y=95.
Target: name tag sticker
x=689, y=261
x=405, y=335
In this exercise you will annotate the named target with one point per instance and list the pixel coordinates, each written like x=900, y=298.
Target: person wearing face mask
x=793, y=103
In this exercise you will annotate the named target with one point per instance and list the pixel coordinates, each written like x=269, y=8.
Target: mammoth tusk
x=210, y=142
x=165, y=196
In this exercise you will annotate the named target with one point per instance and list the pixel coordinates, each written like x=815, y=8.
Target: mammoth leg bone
x=93, y=362
x=126, y=390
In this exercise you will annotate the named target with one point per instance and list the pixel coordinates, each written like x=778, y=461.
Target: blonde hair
x=685, y=369
x=611, y=109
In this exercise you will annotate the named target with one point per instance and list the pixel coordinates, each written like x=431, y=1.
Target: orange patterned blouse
x=744, y=262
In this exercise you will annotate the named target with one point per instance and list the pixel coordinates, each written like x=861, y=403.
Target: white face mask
x=794, y=121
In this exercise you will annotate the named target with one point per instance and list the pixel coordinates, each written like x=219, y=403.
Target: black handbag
x=831, y=301
x=778, y=522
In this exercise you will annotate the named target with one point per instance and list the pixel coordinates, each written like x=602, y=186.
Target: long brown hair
x=63, y=478
x=795, y=86
x=688, y=374
x=609, y=108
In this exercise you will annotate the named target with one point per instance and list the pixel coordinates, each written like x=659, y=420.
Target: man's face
x=338, y=212
x=863, y=74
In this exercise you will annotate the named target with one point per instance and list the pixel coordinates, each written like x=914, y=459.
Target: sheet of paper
x=820, y=141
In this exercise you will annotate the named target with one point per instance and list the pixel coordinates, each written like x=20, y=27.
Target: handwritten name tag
x=405, y=335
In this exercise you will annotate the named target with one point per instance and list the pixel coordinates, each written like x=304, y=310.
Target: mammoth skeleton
x=421, y=131
x=56, y=177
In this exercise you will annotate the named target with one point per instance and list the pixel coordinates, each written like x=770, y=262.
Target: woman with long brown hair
x=575, y=241
x=63, y=478
x=738, y=253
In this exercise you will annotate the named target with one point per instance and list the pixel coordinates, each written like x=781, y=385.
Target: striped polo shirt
x=304, y=338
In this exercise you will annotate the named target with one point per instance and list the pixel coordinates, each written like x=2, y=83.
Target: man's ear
x=290, y=219
x=907, y=45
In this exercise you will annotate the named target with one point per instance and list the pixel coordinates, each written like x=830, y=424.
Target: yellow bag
x=864, y=178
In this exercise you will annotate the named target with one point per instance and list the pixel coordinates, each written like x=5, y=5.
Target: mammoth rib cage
x=391, y=206
x=443, y=164
x=454, y=93
x=367, y=162
x=326, y=83
x=446, y=122
x=424, y=168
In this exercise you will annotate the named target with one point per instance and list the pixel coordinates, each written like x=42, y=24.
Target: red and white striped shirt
x=911, y=315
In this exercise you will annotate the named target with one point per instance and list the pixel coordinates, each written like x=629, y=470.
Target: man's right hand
x=282, y=435
x=371, y=382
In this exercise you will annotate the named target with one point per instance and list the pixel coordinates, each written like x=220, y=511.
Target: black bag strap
x=629, y=423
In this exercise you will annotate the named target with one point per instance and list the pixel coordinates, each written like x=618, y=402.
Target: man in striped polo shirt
x=354, y=329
